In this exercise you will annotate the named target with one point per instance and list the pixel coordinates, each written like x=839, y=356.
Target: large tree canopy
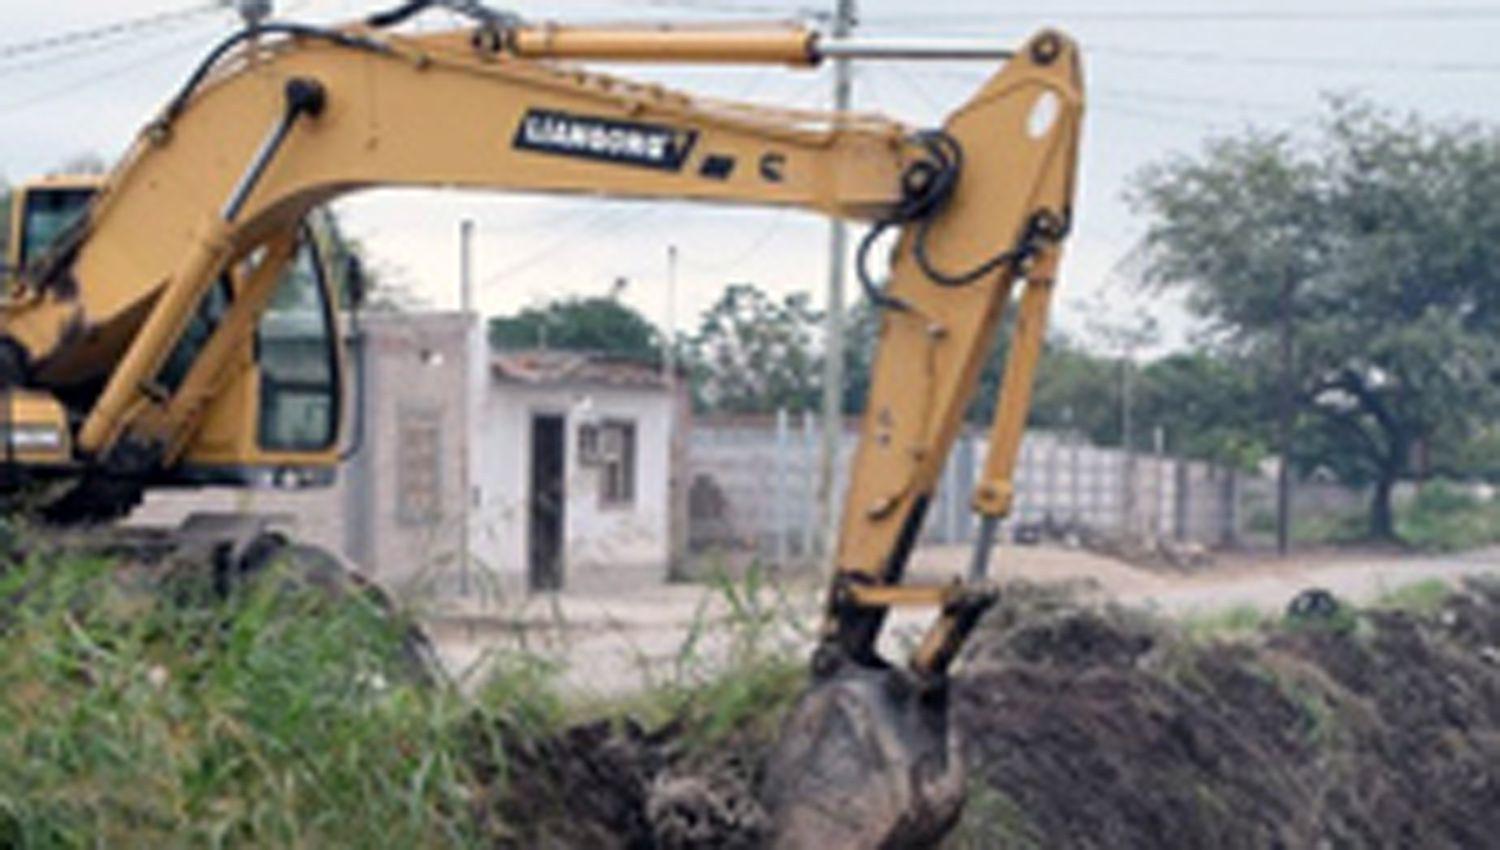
x=599, y=325
x=1386, y=233
x=754, y=354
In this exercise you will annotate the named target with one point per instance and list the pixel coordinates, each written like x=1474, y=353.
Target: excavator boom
x=139, y=339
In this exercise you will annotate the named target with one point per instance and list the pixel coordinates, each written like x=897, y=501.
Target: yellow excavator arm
x=136, y=330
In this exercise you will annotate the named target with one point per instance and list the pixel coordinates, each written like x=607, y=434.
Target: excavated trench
x=1094, y=727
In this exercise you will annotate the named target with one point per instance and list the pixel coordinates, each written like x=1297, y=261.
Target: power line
x=752, y=248
x=101, y=77
x=1156, y=116
x=1304, y=62
x=112, y=73
x=1193, y=100
x=911, y=85
x=734, y=7
x=129, y=26
x=1191, y=16
x=91, y=50
x=604, y=223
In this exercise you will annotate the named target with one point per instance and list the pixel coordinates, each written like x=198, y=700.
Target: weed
x=739, y=666
x=278, y=717
x=1238, y=621
x=1425, y=597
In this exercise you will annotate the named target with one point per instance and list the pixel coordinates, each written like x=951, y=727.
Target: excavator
x=176, y=322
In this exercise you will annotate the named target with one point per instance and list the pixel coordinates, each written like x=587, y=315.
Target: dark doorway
x=548, y=498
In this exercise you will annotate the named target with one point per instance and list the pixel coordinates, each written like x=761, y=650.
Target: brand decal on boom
x=587, y=137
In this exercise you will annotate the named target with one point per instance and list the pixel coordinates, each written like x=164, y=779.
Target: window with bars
x=419, y=491
x=616, y=451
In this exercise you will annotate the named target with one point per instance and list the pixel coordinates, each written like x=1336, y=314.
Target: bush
x=1443, y=518
x=1332, y=529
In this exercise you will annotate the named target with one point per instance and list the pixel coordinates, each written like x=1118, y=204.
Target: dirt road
x=1265, y=583
x=609, y=644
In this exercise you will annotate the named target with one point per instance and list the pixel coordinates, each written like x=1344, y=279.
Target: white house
x=573, y=470
x=479, y=473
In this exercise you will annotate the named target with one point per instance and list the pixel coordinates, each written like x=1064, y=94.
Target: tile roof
x=550, y=367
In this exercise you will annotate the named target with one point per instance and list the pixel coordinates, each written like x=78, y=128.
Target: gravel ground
x=610, y=644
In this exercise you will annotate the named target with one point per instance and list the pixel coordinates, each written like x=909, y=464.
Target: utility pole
x=669, y=350
x=1285, y=411
x=466, y=266
x=678, y=426
x=472, y=337
x=833, y=348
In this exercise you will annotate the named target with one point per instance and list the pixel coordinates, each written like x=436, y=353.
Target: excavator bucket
x=866, y=759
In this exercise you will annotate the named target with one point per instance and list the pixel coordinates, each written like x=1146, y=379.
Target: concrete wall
x=417, y=370
x=406, y=491
x=754, y=488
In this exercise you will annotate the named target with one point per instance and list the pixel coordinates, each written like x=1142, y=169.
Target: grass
x=1339, y=528
x=740, y=666
x=1443, y=518
x=1236, y=621
x=275, y=718
x=279, y=717
x=1440, y=518
x=1425, y=597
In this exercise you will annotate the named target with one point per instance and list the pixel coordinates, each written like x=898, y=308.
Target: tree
x=1074, y=389
x=753, y=354
x=1207, y=406
x=1383, y=235
x=861, y=335
x=596, y=324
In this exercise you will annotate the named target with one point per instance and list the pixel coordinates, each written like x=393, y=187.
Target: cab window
x=299, y=392
x=48, y=214
x=201, y=327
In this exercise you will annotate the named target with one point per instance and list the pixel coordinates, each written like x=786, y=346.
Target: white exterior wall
x=439, y=366
x=603, y=544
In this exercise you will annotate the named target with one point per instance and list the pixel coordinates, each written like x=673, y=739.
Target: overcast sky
x=1163, y=75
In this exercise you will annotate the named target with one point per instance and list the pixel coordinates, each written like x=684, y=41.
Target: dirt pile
x=1093, y=727
x=1097, y=728
x=614, y=786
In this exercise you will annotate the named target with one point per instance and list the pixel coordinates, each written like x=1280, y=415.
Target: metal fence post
x=1050, y=500
x=1181, y=501
x=779, y=526
x=807, y=517
x=952, y=498
x=1229, y=520
x=967, y=463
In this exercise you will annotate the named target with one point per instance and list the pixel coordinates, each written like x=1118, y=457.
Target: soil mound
x=614, y=786
x=1097, y=728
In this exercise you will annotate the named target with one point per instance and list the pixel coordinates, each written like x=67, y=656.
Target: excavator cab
x=277, y=413
x=34, y=425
